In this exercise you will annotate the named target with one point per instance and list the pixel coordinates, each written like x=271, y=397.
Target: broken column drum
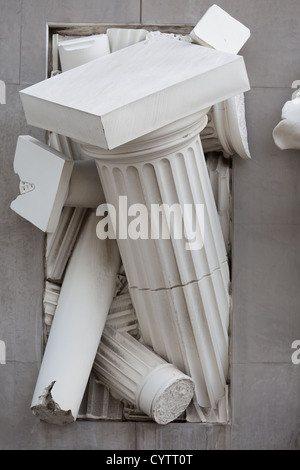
x=180, y=294
x=138, y=375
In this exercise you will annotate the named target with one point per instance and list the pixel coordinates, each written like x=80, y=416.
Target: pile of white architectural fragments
x=136, y=118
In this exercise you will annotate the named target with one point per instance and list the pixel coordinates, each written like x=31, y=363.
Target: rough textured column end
x=48, y=410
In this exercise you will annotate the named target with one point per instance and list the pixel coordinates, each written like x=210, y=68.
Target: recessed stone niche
x=164, y=349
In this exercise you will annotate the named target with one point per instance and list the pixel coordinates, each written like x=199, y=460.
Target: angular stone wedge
x=44, y=177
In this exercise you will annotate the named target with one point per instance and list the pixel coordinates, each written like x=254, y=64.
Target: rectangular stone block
x=219, y=30
x=134, y=91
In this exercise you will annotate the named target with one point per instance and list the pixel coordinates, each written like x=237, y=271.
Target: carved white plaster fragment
x=140, y=376
x=179, y=37
x=79, y=51
x=26, y=187
x=124, y=37
x=287, y=133
x=219, y=30
x=220, y=414
x=50, y=300
x=122, y=316
x=98, y=402
x=220, y=177
x=61, y=242
x=83, y=305
x=178, y=79
x=2, y=352
x=55, y=181
x=2, y=92
x=48, y=172
x=226, y=129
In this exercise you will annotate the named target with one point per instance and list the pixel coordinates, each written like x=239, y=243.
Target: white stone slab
x=219, y=30
x=44, y=177
x=131, y=92
x=75, y=52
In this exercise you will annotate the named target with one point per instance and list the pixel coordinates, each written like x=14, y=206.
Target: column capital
x=159, y=143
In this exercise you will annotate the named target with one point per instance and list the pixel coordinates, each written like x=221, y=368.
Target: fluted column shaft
x=141, y=377
x=180, y=294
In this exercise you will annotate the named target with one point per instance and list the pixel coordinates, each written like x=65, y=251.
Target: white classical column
x=219, y=175
x=140, y=376
x=82, y=309
x=180, y=294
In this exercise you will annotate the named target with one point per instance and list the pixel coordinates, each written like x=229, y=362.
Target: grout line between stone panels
x=21, y=34
x=267, y=224
x=263, y=364
x=270, y=87
x=13, y=361
x=141, y=11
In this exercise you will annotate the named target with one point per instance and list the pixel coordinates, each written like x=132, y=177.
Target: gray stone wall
x=265, y=385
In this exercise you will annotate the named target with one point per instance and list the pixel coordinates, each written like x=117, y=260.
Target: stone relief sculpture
x=137, y=122
x=287, y=132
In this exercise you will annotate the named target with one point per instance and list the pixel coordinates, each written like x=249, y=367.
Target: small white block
x=45, y=175
x=76, y=52
x=218, y=30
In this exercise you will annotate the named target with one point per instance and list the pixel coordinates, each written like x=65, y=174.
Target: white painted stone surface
x=82, y=309
x=79, y=51
x=180, y=296
x=140, y=376
x=124, y=37
x=194, y=337
x=219, y=30
x=84, y=188
x=44, y=175
x=51, y=296
x=122, y=316
x=227, y=128
x=220, y=177
x=286, y=134
x=178, y=79
x=98, y=403
x=2, y=352
x=59, y=244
